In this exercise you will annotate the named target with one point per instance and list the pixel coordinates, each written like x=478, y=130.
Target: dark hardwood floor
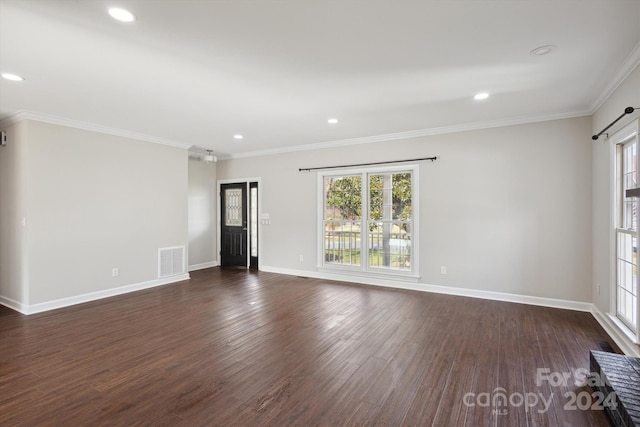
x=233, y=347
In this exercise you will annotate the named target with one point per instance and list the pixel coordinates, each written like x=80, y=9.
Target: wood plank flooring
x=235, y=347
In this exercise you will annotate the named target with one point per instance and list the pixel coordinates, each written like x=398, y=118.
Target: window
x=626, y=231
x=253, y=207
x=367, y=221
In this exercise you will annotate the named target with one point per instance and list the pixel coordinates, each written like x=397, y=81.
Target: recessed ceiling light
x=121, y=14
x=542, y=50
x=238, y=136
x=332, y=121
x=481, y=96
x=12, y=77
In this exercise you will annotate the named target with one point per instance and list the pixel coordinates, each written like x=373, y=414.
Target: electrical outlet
x=301, y=258
x=443, y=270
x=598, y=289
x=115, y=272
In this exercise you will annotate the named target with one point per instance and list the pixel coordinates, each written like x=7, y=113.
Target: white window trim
x=617, y=138
x=359, y=271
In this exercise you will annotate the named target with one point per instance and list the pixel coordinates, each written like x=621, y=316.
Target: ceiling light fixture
x=542, y=50
x=121, y=14
x=480, y=96
x=12, y=77
x=237, y=136
x=332, y=121
x=209, y=157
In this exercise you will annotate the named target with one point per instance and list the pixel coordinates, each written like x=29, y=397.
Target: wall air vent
x=171, y=261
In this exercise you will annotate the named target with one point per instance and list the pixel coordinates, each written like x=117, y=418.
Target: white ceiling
x=198, y=72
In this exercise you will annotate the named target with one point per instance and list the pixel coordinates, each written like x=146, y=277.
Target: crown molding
x=628, y=65
x=54, y=120
x=412, y=134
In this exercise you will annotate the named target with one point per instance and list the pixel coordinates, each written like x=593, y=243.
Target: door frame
x=233, y=237
x=245, y=181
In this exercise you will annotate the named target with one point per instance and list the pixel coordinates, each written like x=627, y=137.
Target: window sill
x=624, y=329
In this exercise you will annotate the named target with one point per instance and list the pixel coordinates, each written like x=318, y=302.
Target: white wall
x=202, y=214
x=95, y=202
x=505, y=209
x=13, y=289
x=626, y=95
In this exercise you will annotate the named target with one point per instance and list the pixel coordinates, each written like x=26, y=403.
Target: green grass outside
x=353, y=257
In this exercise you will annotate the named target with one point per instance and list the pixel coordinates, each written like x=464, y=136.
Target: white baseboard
x=203, y=265
x=507, y=297
x=91, y=296
x=623, y=341
x=13, y=304
x=472, y=293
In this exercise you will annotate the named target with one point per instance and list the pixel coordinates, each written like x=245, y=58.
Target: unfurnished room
x=319, y=213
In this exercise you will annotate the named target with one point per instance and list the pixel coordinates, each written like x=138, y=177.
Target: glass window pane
x=342, y=242
x=627, y=242
x=629, y=157
x=630, y=214
x=343, y=197
x=390, y=196
x=630, y=180
x=375, y=197
x=402, y=197
x=389, y=244
x=233, y=206
x=627, y=280
x=254, y=222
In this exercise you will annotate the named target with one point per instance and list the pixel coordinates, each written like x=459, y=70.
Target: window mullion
x=364, y=223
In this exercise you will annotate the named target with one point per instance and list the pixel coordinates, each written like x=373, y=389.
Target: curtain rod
x=627, y=110
x=367, y=164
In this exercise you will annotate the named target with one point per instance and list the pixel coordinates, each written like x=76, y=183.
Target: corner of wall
x=13, y=244
x=202, y=214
